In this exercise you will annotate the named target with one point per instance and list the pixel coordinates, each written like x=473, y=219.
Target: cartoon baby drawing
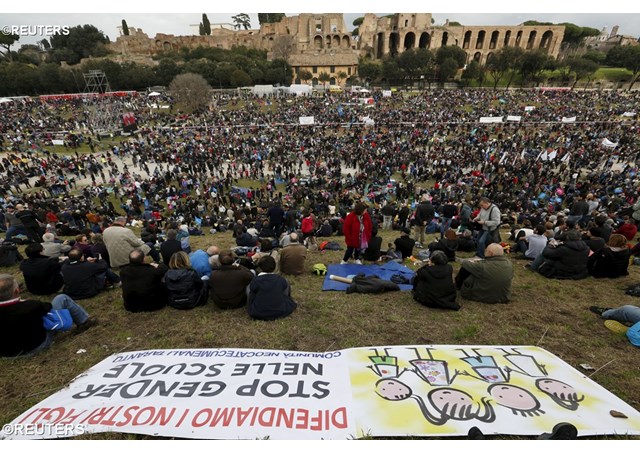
x=562, y=394
x=519, y=400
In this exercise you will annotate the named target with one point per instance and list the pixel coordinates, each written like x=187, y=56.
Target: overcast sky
x=165, y=19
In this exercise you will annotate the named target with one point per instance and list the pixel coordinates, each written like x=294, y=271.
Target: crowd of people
x=563, y=178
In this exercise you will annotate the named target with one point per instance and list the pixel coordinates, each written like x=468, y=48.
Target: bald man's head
x=494, y=250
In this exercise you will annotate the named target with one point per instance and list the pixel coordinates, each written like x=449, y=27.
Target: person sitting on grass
x=269, y=294
x=86, y=277
x=142, y=286
x=41, y=274
x=433, y=284
x=185, y=286
x=612, y=260
x=405, y=243
x=487, y=280
x=228, y=284
x=22, y=333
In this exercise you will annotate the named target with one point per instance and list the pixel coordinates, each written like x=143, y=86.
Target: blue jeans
x=78, y=314
x=627, y=314
x=537, y=262
x=14, y=230
x=482, y=242
x=445, y=225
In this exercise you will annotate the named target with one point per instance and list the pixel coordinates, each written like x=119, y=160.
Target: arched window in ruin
x=166, y=45
x=519, y=38
x=346, y=42
x=380, y=46
x=507, y=38
x=547, y=37
x=328, y=42
x=480, y=40
x=425, y=41
x=477, y=57
x=489, y=55
x=409, y=40
x=531, y=40
x=317, y=42
x=394, y=41
x=314, y=81
x=158, y=43
x=445, y=39
x=494, y=39
x=467, y=40
x=336, y=41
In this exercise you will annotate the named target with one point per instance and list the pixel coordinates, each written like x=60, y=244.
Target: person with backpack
x=489, y=218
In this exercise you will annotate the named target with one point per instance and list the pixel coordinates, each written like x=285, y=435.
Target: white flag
x=552, y=155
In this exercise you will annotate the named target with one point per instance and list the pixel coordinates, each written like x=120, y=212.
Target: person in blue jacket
x=269, y=294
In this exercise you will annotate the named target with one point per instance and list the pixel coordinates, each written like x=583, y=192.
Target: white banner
x=529, y=108
x=514, y=118
x=608, y=143
x=383, y=391
x=491, y=119
x=58, y=142
x=307, y=120
x=629, y=114
x=569, y=120
x=386, y=93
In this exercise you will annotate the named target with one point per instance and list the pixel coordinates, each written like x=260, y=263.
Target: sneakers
x=417, y=245
x=616, y=327
x=88, y=324
x=562, y=431
x=358, y=262
x=343, y=262
x=597, y=310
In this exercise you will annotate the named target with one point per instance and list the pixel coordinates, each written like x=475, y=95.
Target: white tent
x=153, y=93
x=300, y=89
x=5, y=100
x=263, y=90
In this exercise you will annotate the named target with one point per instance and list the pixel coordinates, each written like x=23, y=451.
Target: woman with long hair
x=186, y=289
x=357, y=232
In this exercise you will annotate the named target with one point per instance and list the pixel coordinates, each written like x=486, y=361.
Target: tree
x=305, y=75
x=369, y=71
x=356, y=23
x=447, y=69
x=627, y=57
x=270, y=18
x=574, y=34
x=503, y=62
x=125, y=28
x=581, y=67
x=241, y=20
x=391, y=71
x=324, y=78
x=191, y=90
x=341, y=75
x=44, y=44
x=415, y=63
x=283, y=46
x=6, y=41
x=82, y=41
x=473, y=71
x=532, y=65
x=205, y=28
x=454, y=52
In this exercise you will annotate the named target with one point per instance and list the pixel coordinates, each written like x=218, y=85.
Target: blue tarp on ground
x=385, y=272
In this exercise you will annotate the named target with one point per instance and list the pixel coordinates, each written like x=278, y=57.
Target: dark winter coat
x=142, y=287
x=186, y=289
x=609, y=262
x=566, y=261
x=270, y=297
x=433, y=287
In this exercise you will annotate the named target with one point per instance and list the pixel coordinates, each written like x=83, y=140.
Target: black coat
x=21, y=328
x=42, y=275
x=168, y=248
x=142, y=287
x=186, y=289
x=270, y=297
x=83, y=279
x=566, y=261
x=608, y=263
x=433, y=287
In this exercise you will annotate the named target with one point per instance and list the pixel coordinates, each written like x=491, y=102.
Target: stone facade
x=395, y=34
x=322, y=43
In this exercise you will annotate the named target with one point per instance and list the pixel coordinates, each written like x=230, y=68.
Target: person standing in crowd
x=489, y=218
x=357, y=232
x=30, y=222
x=121, y=241
x=388, y=212
x=424, y=214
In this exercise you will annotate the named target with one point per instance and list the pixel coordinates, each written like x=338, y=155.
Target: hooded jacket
x=185, y=288
x=565, y=261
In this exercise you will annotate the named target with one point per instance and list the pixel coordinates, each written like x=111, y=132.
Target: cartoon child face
x=553, y=387
x=513, y=397
x=392, y=389
x=447, y=399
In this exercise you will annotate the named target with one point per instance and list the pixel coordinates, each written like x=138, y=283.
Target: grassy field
x=547, y=313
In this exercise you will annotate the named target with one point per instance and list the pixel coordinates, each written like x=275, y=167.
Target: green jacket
x=490, y=280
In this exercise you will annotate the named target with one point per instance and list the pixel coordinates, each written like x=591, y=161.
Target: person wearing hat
x=404, y=244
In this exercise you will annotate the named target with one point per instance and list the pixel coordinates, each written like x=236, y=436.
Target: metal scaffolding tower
x=103, y=113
